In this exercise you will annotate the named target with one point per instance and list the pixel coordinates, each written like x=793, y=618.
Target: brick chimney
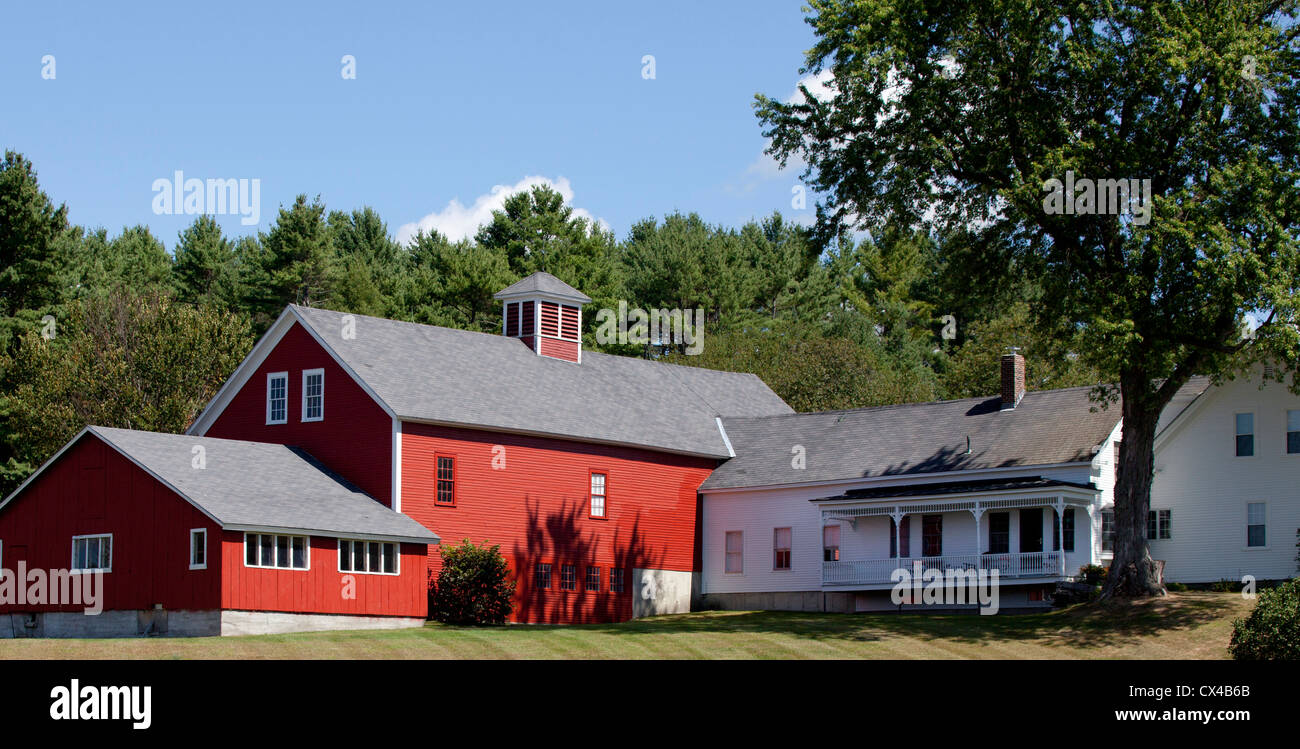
x=1013, y=379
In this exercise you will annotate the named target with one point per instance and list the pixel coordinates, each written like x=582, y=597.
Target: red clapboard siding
x=321, y=588
x=355, y=439
x=93, y=489
x=537, y=509
x=560, y=349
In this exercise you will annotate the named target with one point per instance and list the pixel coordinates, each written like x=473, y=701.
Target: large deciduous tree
x=963, y=112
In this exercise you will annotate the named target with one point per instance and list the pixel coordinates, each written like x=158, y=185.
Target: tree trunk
x=1132, y=571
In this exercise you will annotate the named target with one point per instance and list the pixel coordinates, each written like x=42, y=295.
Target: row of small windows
x=592, y=580
x=313, y=396
x=1245, y=433
x=445, y=490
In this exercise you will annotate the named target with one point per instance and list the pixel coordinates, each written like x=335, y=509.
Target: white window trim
x=1157, y=511
x=775, y=548
x=259, y=566
x=112, y=548
x=273, y=376
x=397, y=557
x=725, y=571
x=204, y=533
x=1254, y=434
x=1267, y=536
x=305, y=374
x=1286, y=415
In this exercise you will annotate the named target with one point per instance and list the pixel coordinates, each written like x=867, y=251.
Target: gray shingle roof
x=251, y=485
x=443, y=375
x=1047, y=427
x=543, y=283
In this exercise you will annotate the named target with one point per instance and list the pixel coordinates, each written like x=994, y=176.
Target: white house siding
x=1206, y=487
x=758, y=512
x=1104, y=469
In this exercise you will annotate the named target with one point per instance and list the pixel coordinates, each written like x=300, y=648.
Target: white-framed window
x=198, y=548
x=1108, y=529
x=1245, y=434
x=92, y=553
x=368, y=557
x=598, y=495
x=277, y=398
x=1158, y=524
x=831, y=543
x=735, y=551
x=1293, y=432
x=276, y=552
x=313, y=394
x=780, y=548
x=1256, y=525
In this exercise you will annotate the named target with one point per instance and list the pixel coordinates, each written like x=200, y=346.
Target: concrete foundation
x=158, y=622
x=810, y=600
x=661, y=592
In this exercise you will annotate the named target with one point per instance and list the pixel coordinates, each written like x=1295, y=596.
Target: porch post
x=898, y=543
x=1060, y=531
x=978, y=512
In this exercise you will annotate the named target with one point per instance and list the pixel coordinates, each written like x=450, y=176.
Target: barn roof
x=443, y=375
x=256, y=486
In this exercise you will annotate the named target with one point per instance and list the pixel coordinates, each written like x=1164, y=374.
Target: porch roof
x=955, y=487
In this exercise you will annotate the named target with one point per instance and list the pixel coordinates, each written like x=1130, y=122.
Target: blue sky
x=449, y=101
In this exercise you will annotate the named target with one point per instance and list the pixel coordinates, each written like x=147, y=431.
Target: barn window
x=370, y=557
x=593, y=578
x=313, y=394
x=199, y=549
x=598, y=495
x=92, y=553
x=568, y=577
x=279, y=552
x=277, y=398
x=446, y=480
x=615, y=580
x=781, y=549
x=542, y=576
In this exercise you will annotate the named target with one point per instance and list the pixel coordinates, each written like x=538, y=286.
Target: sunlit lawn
x=1183, y=625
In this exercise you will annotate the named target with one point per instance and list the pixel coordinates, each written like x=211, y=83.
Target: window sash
x=735, y=552
x=1245, y=434
x=1067, y=527
x=831, y=543
x=593, y=578
x=598, y=495
x=1256, y=524
x=368, y=557
x=92, y=553
x=274, y=551
x=568, y=577
x=542, y=576
x=781, y=549
x=1107, y=530
x=999, y=533
x=931, y=535
x=313, y=395
x=198, y=548
x=277, y=398
x=446, y=478
x=615, y=580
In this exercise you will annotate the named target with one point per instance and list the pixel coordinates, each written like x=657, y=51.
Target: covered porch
x=1029, y=529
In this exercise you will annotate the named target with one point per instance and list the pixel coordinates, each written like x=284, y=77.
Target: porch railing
x=875, y=571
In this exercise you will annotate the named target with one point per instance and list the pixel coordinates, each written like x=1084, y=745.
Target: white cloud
x=459, y=221
x=765, y=167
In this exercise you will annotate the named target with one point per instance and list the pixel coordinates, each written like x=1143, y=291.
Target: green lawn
x=1186, y=625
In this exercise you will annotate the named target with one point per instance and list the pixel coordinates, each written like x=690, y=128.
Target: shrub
x=1225, y=586
x=1272, y=631
x=1175, y=587
x=1092, y=574
x=474, y=586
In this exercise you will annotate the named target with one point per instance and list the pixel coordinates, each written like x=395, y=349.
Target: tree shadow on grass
x=1089, y=625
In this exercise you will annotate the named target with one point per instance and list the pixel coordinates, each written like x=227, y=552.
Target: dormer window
x=277, y=398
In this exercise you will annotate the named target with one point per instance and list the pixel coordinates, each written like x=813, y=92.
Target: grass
x=1192, y=625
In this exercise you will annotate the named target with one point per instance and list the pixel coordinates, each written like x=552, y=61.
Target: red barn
x=584, y=467
x=167, y=533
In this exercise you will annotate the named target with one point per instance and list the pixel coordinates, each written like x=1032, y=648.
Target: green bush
x=474, y=586
x=1272, y=631
x=1225, y=586
x=1175, y=587
x=1092, y=574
